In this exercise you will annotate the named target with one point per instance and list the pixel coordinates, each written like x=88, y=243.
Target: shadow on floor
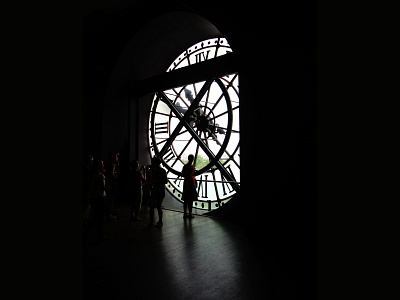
x=201, y=258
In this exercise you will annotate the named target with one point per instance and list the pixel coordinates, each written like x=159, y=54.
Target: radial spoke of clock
x=165, y=139
x=224, y=113
x=226, y=151
x=206, y=140
x=196, y=154
x=215, y=105
x=208, y=95
x=224, y=128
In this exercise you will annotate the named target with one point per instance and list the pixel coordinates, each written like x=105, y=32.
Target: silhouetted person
x=157, y=178
x=97, y=196
x=136, y=181
x=189, y=188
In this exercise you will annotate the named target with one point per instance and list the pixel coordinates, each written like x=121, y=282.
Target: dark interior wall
x=149, y=52
x=275, y=47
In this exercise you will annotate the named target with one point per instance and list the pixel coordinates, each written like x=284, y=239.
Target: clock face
x=201, y=119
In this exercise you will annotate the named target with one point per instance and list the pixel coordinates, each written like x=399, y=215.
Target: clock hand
x=189, y=95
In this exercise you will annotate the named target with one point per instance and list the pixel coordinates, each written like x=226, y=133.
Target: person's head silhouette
x=155, y=161
x=191, y=158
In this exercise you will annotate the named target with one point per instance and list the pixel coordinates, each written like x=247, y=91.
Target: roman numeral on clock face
x=202, y=56
x=161, y=128
x=226, y=184
x=202, y=185
x=169, y=155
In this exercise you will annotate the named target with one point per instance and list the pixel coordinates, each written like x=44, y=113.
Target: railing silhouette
x=218, y=203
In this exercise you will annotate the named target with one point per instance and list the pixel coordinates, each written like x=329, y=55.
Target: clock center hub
x=202, y=123
x=204, y=119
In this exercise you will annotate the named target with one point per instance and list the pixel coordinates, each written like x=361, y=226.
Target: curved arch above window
x=202, y=51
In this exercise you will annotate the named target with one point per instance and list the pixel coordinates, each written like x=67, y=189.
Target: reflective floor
x=200, y=258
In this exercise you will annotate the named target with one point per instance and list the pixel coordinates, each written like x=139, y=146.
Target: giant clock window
x=201, y=118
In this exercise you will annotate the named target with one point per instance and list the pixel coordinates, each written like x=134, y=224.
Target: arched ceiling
x=154, y=47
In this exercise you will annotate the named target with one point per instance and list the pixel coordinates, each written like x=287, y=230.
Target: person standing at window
x=157, y=178
x=189, y=188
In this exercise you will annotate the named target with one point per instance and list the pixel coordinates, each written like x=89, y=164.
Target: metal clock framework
x=201, y=118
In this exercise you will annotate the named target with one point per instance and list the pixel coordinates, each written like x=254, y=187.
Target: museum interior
x=261, y=241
